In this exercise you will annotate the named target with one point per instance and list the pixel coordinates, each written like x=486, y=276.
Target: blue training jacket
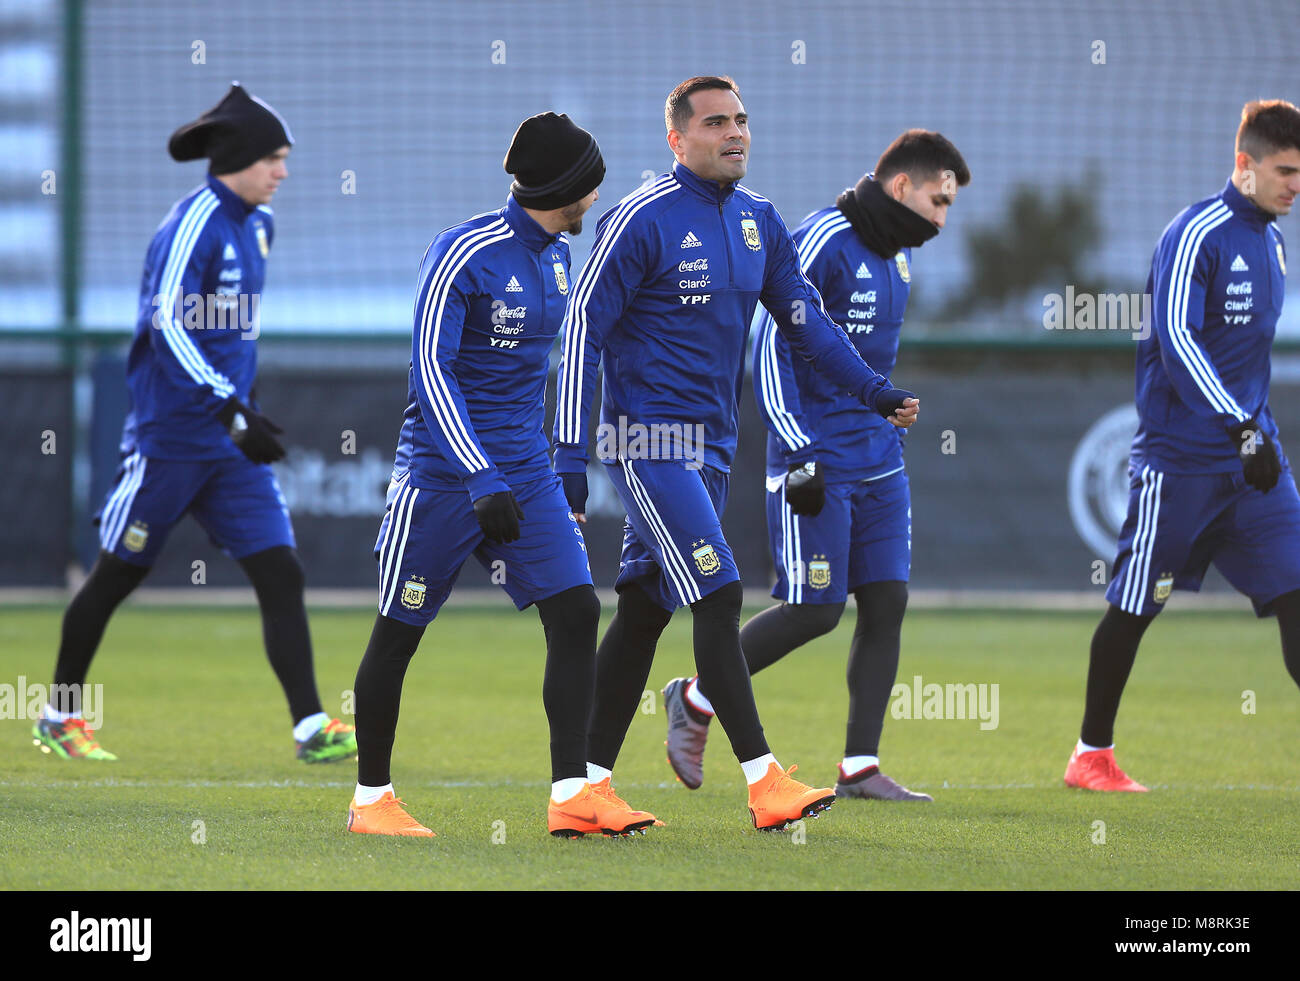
x=806, y=417
x=490, y=303
x=1217, y=282
x=197, y=324
x=666, y=298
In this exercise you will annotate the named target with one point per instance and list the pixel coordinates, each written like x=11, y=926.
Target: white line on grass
x=498, y=784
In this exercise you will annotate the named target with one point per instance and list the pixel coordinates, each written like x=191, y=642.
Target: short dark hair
x=677, y=108
x=922, y=155
x=1267, y=126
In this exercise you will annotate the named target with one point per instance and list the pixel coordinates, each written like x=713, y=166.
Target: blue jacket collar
x=711, y=191
x=1243, y=207
x=526, y=229
x=231, y=203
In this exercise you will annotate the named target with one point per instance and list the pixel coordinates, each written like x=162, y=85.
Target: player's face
x=258, y=182
x=932, y=199
x=715, y=145
x=572, y=215
x=1277, y=180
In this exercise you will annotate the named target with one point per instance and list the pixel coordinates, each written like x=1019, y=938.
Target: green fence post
x=70, y=231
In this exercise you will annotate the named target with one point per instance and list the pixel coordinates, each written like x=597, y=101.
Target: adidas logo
x=1239, y=265
x=229, y=253
x=864, y=272
x=691, y=242
x=513, y=286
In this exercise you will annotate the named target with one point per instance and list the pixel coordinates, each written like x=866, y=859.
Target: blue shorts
x=672, y=540
x=237, y=502
x=427, y=535
x=863, y=534
x=1179, y=523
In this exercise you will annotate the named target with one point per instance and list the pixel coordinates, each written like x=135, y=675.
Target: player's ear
x=899, y=185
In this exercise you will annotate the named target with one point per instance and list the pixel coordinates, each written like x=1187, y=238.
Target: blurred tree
x=1041, y=244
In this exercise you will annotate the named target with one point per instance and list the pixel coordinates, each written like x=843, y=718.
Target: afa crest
x=135, y=537
x=262, y=243
x=819, y=572
x=1164, y=586
x=904, y=273
x=561, y=281
x=1281, y=258
x=750, y=229
x=413, y=591
x=706, y=559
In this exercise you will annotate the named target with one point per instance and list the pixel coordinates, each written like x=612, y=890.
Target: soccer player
x=195, y=441
x=472, y=475
x=666, y=298
x=838, y=508
x=1209, y=480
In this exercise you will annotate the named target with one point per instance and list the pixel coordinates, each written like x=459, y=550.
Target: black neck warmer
x=883, y=224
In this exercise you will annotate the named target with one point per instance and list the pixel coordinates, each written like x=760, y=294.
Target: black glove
x=251, y=431
x=499, y=515
x=1258, y=455
x=575, y=491
x=805, y=488
x=890, y=400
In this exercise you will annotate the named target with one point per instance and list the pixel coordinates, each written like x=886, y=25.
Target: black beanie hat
x=554, y=162
x=238, y=131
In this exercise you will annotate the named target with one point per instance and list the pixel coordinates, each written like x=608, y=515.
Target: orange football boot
x=605, y=790
x=589, y=813
x=777, y=799
x=385, y=817
x=1097, y=770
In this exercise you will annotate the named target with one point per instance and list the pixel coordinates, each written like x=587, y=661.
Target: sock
x=308, y=727
x=854, y=765
x=567, y=789
x=1083, y=747
x=368, y=795
x=595, y=774
x=695, y=698
x=54, y=715
x=756, y=770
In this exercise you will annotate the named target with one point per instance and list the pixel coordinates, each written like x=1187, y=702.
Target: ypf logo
x=1099, y=481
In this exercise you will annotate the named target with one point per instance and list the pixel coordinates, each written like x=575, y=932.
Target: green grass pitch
x=194, y=713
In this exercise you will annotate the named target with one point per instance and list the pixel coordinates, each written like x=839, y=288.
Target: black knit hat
x=554, y=162
x=238, y=131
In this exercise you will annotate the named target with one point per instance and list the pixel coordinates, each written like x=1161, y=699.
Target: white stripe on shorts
x=1138, y=572
x=118, y=508
x=675, y=567
x=391, y=564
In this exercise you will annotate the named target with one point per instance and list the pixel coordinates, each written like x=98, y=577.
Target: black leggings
x=569, y=620
x=873, y=653
x=1114, y=649
x=277, y=578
